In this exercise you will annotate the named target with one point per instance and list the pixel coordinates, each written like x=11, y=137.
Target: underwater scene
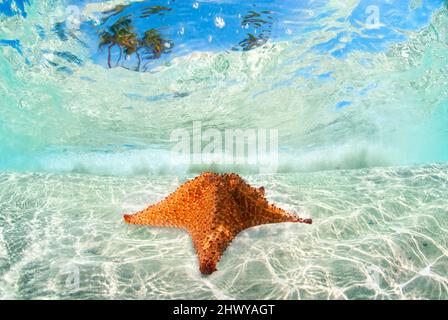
x=339, y=109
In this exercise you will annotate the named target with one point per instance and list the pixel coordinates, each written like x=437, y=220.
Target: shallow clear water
x=359, y=98
x=378, y=233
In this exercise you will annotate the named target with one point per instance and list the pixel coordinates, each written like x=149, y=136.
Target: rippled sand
x=378, y=233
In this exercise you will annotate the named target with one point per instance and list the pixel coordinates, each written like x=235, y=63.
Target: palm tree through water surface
x=122, y=34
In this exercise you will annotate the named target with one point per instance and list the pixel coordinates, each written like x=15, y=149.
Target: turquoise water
x=358, y=94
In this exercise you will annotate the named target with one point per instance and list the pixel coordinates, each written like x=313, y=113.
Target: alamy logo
x=72, y=18
x=72, y=277
x=373, y=17
x=257, y=148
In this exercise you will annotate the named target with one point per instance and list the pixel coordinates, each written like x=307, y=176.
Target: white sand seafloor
x=377, y=233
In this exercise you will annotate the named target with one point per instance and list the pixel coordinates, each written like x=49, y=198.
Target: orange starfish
x=213, y=208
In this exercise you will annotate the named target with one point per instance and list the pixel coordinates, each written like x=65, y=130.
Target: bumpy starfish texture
x=213, y=208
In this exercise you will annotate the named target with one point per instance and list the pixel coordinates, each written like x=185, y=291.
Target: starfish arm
x=177, y=210
x=222, y=227
x=273, y=214
x=210, y=248
x=157, y=216
x=257, y=209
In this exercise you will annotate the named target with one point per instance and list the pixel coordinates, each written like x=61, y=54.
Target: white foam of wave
x=163, y=162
